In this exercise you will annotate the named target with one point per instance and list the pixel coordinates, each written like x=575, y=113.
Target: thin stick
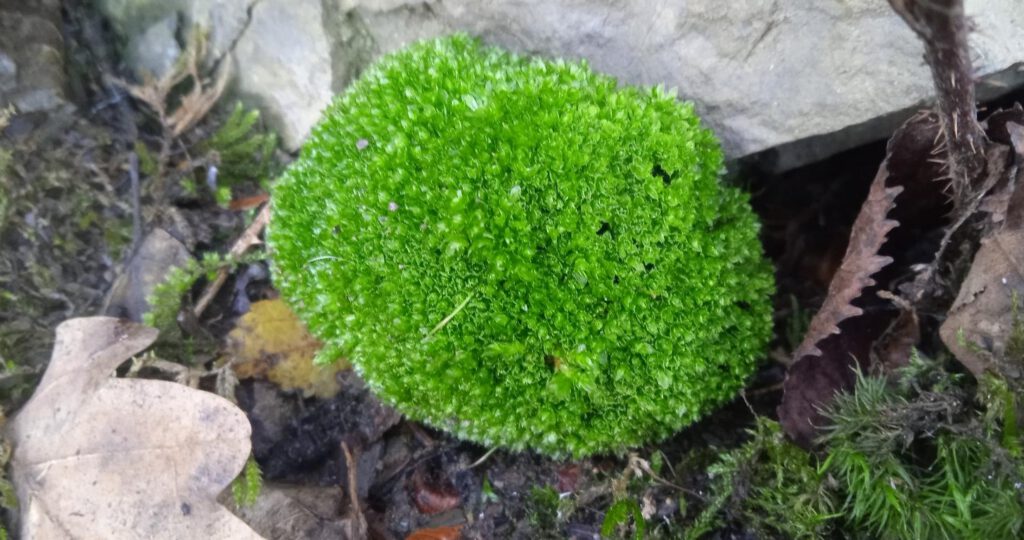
x=482, y=459
x=444, y=322
x=249, y=238
x=359, y=521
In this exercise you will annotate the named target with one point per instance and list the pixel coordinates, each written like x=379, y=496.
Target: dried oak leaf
x=307, y=512
x=270, y=342
x=437, y=533
x=100, y=457
x=987, y=308
x=840, y=335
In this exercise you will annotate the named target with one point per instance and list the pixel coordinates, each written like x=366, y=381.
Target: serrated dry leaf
x=814, y=377
x=100, y=457
x=841, y=335
x=860, y=263
x=271, y=342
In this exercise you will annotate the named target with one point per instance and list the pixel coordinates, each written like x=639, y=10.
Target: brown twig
x=943, y=28
x=358, y=523
x=249, y=238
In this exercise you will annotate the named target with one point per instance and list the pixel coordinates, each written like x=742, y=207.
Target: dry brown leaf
x=432, y=492
x=841, y=335
x=200, y=99
x=982, y=318
x=100, y=457
x=859, y=264
x=306, y=512
x=271, y=342
x=437, y=533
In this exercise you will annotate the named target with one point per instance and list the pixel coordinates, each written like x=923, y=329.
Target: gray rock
x=806, y=78
x=32, y=74
x=8, y=72
x=149, y=266
x=223, y=20
x=154, y=52
x=283, y=64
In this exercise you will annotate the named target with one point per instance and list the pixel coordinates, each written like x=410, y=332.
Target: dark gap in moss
x=648, y=267
x=553, y=362
x=605, y=227
x=661, y=173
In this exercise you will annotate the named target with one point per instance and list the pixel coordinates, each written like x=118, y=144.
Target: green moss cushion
x=521, y=252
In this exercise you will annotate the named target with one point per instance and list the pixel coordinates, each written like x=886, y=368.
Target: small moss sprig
x=247, y=486
x=770, y=486
x=523, y=252
x=967, y=486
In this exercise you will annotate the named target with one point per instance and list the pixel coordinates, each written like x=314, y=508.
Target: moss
x=771, y=487
x=917, y=462
x=619, y=515
x=543, y=512
x=62, y=226
x=247, y=486
x=242, y=150
x=523, y=252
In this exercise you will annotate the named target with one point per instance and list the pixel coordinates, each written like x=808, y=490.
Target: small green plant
x=771, y=487
x=246, y=488
x=619, y=514
x=165, y=300
x=523, y=252
x=243, y=152
x=487, y=494
x=546, y=512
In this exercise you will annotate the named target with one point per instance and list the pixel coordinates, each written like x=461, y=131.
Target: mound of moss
x=521, y=252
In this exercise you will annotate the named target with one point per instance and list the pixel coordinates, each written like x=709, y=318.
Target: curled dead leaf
x=982, y=317
x=814, y=376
